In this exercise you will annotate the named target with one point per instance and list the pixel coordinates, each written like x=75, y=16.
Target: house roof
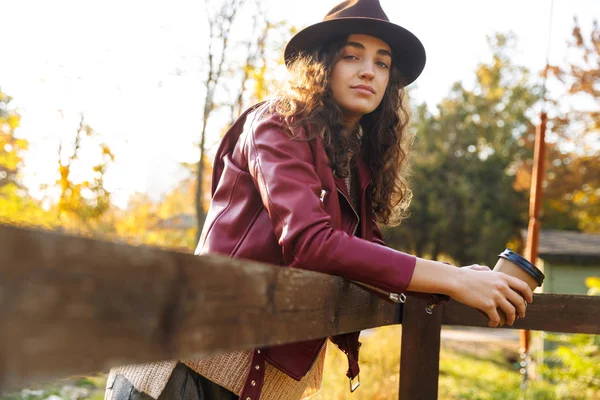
x=568, y=246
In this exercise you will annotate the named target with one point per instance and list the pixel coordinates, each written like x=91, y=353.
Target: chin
x=359, y=109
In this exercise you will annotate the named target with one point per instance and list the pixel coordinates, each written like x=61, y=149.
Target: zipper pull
x=398, y=298
x=395, y=297
x=323, y=193
x=354, y=385
x=429, y=308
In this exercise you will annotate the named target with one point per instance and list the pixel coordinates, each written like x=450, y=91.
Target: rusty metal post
x=535, y=203
x=535, y=195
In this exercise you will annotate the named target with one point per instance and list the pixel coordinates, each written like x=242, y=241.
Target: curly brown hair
x=307, y=102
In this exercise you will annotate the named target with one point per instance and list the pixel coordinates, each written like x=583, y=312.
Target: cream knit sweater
x=228, y=370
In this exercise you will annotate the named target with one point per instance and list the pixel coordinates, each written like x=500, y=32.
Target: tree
x=572, y=192
x=581, y=78
x=571, y=199
x=165, y=223
x=235, y=71
x=262, y=55
x=82, y=204
x=11, y=147
x=219, y=26
x=464, y=203
x=17, y=207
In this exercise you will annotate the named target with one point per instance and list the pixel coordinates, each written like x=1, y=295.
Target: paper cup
x=517, y=266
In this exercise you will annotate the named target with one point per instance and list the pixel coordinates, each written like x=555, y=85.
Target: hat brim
x=407, y=49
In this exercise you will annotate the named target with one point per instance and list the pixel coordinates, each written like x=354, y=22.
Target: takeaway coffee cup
x=515, y=265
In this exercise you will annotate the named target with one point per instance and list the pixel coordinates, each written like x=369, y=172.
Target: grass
x=477, y=371
x=471, y=371
x=73, y=388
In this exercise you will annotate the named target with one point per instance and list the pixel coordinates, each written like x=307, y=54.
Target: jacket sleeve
x=431, y=298
x=283, y=172
x=377, y=236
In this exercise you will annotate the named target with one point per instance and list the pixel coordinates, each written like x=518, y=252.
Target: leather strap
x=256, y=377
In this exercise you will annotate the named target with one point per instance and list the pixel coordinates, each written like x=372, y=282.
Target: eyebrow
x=357, y=45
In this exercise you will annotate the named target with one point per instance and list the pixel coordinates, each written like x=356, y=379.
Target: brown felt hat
x=365, y=17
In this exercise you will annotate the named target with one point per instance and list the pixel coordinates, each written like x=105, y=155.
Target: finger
x=509, y=310
x=493, y=316
x=518, y=302
x=522, y=288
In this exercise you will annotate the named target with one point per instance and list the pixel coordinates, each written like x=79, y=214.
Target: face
x=361, y=75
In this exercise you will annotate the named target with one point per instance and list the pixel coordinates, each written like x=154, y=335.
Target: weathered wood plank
x=72, y=305
x=420, y=351
x=548, y=312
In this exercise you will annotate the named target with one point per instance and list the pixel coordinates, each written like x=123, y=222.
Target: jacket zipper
x=395, y=297
x=353, y=210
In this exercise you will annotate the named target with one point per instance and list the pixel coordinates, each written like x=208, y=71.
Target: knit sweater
x=228, y=370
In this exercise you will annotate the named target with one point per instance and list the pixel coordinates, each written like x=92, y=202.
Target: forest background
x=471, y=158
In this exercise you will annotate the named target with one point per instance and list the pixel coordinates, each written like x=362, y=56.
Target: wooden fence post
x=420, y=352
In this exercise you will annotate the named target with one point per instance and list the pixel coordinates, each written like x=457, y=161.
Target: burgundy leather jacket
x=275, y=199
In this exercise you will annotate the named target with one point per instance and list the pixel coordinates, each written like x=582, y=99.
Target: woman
x=302, y=182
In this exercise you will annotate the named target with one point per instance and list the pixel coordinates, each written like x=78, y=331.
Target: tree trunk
x=200, y=214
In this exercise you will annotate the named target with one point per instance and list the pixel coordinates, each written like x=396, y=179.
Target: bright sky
x=133, y=68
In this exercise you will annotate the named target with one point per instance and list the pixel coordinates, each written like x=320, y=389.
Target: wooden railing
x=71, y=305
x=419, y=365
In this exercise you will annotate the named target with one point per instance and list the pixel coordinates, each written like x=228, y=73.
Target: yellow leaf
x=13, y=121
x=593, y=282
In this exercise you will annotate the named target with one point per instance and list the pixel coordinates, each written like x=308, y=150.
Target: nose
x=367, y=71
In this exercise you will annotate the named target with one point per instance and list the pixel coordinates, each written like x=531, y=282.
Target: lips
x=364, y=87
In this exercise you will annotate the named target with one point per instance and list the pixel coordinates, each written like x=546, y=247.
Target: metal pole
x=533, y=231
x=535, y=196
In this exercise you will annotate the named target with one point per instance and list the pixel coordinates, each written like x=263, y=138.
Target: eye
x=350, y=57
x=382, y=64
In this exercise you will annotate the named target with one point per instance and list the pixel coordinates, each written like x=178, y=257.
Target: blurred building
x=567, y=258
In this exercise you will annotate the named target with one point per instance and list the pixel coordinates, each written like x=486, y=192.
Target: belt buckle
x=354, y=386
